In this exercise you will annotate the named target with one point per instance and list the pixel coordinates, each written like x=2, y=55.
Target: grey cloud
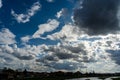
x=29, y=57
x=62, y=52
x=97, y=16
x=23, y=54
x=7, y=59
x=77, y=49
x=69, y=52
x=51, y=58
x=20, y=54
x=75, y=56
x=65, y=55
x=45, y=59
x=65, y=66
x=115, y=55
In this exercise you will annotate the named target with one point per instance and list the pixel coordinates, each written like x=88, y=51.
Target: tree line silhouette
x=10, y=74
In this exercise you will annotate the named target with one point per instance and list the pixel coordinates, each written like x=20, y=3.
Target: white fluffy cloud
x=7, y=37
x=47, y=27
x=23, y=18
x=1, y=3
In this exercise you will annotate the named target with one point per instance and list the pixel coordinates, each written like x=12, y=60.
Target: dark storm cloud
x=97, y=16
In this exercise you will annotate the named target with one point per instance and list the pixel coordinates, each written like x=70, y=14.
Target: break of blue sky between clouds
x=40, y=35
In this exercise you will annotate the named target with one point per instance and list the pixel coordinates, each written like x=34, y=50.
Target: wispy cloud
x=23, y=18
x=50, y=1
x=48, y=27
x=51, y=25
x=61, y=13
x=1, y=3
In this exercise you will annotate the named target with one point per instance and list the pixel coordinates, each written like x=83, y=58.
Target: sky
x=67, y=35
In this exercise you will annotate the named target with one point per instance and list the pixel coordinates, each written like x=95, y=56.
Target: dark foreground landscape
x=9, y=74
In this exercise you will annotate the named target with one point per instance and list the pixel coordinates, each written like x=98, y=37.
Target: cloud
x=68, y=32
x=58, y=56
x=24, y=57
x=83, y=49
x=16, y=57
x=1, y=3
x=77, y=54
x=51, y=25
x=115, y=55
x=50, y=1
x=47, y=27
x=77, y=51
x=7, y=37
x=19, y=53
x=23, y=18
x=71, y=1
x=25, y=39
x=62, y=12
x=97, y=16
x=61, y=52
x=65, y=65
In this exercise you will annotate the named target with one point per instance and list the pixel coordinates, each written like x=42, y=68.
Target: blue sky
x=52, y=35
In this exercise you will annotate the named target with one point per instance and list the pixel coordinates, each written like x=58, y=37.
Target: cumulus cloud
x=71, y=55
x=66, y=57
x=97, y=16
x=47, y=27
x=1, y=3
x=90, y=51
x=25, y=57
x=6, y=36
x=23, y=18
x=16, y=57
x=19, y=53
x=75, y=50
